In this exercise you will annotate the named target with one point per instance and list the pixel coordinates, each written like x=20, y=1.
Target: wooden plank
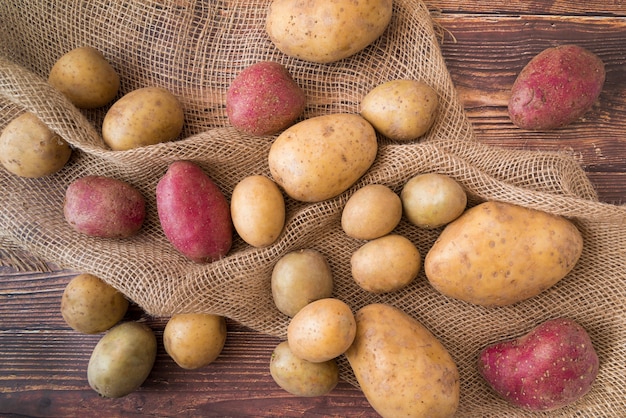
x=535, y=7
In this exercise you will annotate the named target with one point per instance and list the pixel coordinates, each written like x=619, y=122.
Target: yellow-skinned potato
x=194, y=340
x=402, y=368
x=401, y=110
x=371, y=212
x=146, y=116
x=29, y=149
x=385, y=264
x=85, y=77
x=321, y=157
x=326, y=31
x=498, y=254
x=257, y=209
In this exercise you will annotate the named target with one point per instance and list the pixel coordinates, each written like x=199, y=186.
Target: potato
x=193, y=212
x=264, y=99
x=557, y=87
x=553, y=365
x=401, y=110
x=122, y=360
x=401, y=367
x=432, y=200
x=90, y=306
x=257, y=208
x=299, y=278
x=29, y=149
x=321, y=157
x=371, y=212
x=104, y=207
x=322, y=330
x=194, y=340
x=498, y=254
x=300, y=377
x=385, y=264
x=324, y=32
x=85, y=77
x=146, y=116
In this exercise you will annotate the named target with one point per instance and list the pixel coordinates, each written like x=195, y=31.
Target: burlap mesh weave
x=195, y=48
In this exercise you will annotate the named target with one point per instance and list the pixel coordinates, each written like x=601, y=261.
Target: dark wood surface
x=43, y=362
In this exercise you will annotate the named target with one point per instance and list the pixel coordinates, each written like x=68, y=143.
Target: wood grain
x=43, y=362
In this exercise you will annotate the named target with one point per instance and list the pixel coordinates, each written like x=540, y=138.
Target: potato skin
x=322, y=330
x=551, y=366
x=29, y=149
x=146, y=116
x=321, y=157
x=371, y=212
x=194, y=340
x=385, y=264
x=401, y=367
x=498, y=254
x=301, y=377
x=557, y=87
x=122, y=360
x=90, y=306
x=257, y=209
x=85, y=77
x=193, y=212
x=264, y=99
x=325, y=32
x=104, y=207
x=402, y=110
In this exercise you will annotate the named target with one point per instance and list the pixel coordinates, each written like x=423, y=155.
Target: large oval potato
x=28, y=148
x=321, y=157
x=146, y=116
x=122, y=360
x=85, y=77
x=498, y=254
x=326, y=31
x=402, y=368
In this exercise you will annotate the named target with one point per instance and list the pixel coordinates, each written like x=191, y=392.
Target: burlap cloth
x=195, y=49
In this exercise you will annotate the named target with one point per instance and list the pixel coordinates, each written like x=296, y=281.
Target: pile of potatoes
x=492, y=254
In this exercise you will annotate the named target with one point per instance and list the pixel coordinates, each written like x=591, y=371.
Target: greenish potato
x=194, y=340
x=28, y=148
x=299, y=278
x=122, y=360
x=301, y=377
x=85, y=77
x=89, y=305
x=432, y=200
x=402, y=110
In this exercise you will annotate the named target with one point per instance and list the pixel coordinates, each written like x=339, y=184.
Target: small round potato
x=90, y=305
x=322, y=330
x=401, y=110
x=85, y=77
x=432, y=200
x=386, y=264
x=300, y=377
x=146, y=116
x=371, y=212
x=257, y=210
x=29, y=149
x=299, y=278
x=194, y=340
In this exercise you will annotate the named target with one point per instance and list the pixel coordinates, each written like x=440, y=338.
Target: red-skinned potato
x=557, y=87
x=551, y=366
x=194, y=214
x=264, y=99
x=104, y=207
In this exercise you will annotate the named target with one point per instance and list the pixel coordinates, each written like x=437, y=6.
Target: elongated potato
x=402, y=368
x=498, y=254
x=321, y=157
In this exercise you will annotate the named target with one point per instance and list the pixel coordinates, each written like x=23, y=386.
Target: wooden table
x=43, y=362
